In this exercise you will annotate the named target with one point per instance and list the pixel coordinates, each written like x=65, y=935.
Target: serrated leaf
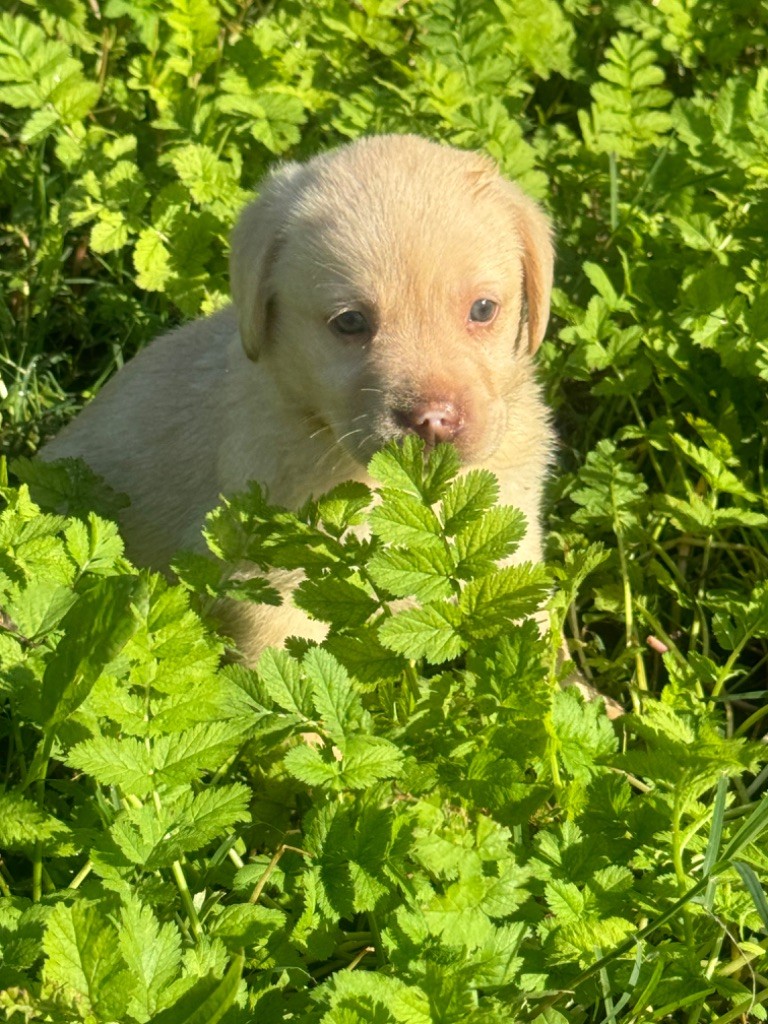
x=247, y=925
x=343, y=603
x=366, y=889
x=83, y=957
x=482, y=543
x=198, y=573
x=565, y=900
x=584, y=732
x=458, y=916
x=368, y=759
x=430, y=632
x=208, y=999
x=309, y=765
x=152, y=953
x=334, y=697
x=138, y=768
x=123, y=762
x=156, y=839
x=391, y=998
x=39, y=607
x=203, y=173
x=423, y=574
x=23, y=822
x=403, y=467
x=363, y=761
x=70, y=487
x=491, y=603
x=110, y=233
x=96, y=629
x=496, y=963
x=284, y=682
x=152, y=261
x=610, y=494
x=94, y=545
x=343, y=506
x=400, y=519
x=467, y=498
x=365, y=657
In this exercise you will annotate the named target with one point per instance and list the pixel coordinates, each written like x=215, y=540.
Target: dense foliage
x=411, y=824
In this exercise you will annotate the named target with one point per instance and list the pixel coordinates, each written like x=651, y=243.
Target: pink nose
x=432, y=421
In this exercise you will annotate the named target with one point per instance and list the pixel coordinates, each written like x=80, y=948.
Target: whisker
x=336, y=445
x=316, y=433
x=339, y=447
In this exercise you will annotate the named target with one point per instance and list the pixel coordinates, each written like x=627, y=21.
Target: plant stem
x=186, y=899
x=614, y=190
x=81, y=875
x=378, y=944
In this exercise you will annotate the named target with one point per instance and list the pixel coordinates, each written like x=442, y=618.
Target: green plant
x=132, y=132
x=407, y=822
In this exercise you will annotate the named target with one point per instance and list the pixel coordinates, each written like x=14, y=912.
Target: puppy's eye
x=350, y=322
x=482, y=311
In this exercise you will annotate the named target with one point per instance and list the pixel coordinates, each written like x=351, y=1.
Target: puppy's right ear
x=254, y=247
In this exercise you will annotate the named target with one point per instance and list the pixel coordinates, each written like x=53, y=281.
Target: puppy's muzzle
x=433, y=421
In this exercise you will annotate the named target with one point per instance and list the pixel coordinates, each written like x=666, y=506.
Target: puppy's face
x=405, y=286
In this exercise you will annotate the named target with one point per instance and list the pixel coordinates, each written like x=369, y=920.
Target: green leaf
x=343, y=506
x=404, y=468
x=110, y=233
x=139, y=768
x=343, y=603
x=309, y=765
x=152, y=953
x=584, y=733
x=184, y=825
x=422, y=572
x=431, y=632
x=23, y=822
x=152, y=261
x=363, y=761
x=39, y=607
x=94, y=545
x=334, y=697
x=610, y=494
x=491, y=603
x=208, y=999
x=206, y=176
x=481, y=544
x=467, y=498
x=400, y=519
x=70, y=487
x=245, y=925
x=365, y=657
x=282, y=679
x=496, y=963
x=123, y=762
x=95, y=629
x=83, y=958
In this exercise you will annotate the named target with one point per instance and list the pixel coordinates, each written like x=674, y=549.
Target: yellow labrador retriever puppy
x=391, y=286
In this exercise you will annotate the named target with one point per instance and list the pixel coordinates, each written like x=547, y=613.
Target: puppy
x=392, y=286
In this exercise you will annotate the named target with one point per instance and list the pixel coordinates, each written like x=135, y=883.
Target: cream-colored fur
x=408, y=232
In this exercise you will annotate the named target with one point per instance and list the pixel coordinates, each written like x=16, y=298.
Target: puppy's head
x=394, y=286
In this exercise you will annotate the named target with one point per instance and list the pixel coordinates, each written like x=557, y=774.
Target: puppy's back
x=152, y=432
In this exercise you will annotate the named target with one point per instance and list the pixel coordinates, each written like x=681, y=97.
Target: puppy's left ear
x=254, y=248
x=538, y=256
